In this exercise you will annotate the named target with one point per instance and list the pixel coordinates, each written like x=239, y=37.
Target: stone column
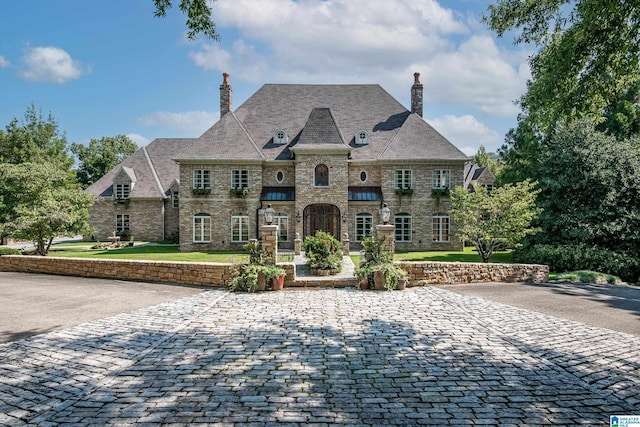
x=387, y=232
x=345, y=244
x=297, y=244
x=270, y=240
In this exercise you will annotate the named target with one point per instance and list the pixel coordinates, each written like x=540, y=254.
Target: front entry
x=322, y=217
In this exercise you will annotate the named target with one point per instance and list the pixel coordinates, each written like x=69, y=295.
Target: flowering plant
x=323, y=251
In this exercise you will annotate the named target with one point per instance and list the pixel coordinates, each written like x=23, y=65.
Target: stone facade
x=146, y=218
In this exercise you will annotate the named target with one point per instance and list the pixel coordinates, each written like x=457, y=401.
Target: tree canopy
x=36, y=139
x=39, y=202
x=591, y=189
x=587, y=57
x=496, y=221
x=199, y=20
x=100, y=156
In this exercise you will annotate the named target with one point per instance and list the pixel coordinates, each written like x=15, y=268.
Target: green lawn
x=153, y=253
x=468, y=255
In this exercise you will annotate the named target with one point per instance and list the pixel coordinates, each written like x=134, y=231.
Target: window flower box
x=239, y=192
x=200, y=191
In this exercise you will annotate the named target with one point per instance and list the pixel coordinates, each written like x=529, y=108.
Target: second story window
x=122, y=191
x=441, y=178
x=321, y=176
x=201, y=179
x=239, y=179
x=175, y=199
x=403, y=179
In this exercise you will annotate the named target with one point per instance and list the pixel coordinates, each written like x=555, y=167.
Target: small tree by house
x=497, y=221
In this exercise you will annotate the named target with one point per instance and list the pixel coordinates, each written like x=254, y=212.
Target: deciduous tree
x=497, y=221
x=100, y=156
x=198, y=16
x=39, y=202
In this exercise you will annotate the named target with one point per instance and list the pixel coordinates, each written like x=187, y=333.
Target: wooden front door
x=322, y=217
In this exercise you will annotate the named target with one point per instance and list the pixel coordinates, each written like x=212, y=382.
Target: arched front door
x=323, y=217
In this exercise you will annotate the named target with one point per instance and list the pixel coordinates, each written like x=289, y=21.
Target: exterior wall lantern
x=268, y=214
x=385, y=213
x=344, y=217
x=298, y=217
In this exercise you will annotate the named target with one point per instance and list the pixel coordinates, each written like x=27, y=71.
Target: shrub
x=573, y=258
x=9, y=251
x=324, y=251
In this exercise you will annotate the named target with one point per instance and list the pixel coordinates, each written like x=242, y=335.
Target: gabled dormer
x=123, y=182
x=174, y=193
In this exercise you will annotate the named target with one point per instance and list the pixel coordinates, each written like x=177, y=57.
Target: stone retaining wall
x=431, y=273
x=217, y=274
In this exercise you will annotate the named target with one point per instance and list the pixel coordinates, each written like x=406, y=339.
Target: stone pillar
x=386, y=232
x=297, y=244
x=345, y=244
x=270, y=240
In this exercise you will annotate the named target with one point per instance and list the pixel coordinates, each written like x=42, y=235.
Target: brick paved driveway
x=317, y=357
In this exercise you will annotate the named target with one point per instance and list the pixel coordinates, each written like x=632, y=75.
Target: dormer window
x=122, y=191
x=280, y=137
x=362, y=137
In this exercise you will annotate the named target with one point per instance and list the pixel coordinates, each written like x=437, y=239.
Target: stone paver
x=424, y=356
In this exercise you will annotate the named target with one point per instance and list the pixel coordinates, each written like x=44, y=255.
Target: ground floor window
x=239, y=228
x=122, y=223
x=403, y=227
x=441, y=228
x=201, y=228
x=282, y=221
x=364, y=222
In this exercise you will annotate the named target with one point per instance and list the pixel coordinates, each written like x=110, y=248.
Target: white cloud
x=193, y=123
x=467, y=133
x=51, y=64
x=367, y=41
x=477, y=73
x=3, y=62
x=138, y=139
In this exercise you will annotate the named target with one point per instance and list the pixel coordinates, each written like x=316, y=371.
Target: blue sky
x=103, y=68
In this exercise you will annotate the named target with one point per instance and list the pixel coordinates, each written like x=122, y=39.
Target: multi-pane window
x=403, y=178
x=239, y=179
x=441, y=178
x=321, y=176
x=282, y=221
x=403, y=227
x=440, y=228
x=122, y=223
x=122, y=191
x=201, y=178
x=239, y=228
x=201, y=228
x=175, y=199
x=364, y=222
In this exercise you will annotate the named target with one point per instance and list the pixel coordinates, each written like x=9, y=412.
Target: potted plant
x=387, y=275
x=365, y=274
x=244, y=278
x=274, y=275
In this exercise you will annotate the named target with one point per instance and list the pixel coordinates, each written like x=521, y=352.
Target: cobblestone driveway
x=424, y=356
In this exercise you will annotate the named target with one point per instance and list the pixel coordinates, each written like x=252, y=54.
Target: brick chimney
x=225, y=95
x=416, y=95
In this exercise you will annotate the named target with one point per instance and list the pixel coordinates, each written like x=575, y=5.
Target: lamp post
x=268, y=214
x=385, y=213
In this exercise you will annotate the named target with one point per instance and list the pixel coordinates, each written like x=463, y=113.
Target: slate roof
x=152, y=166
x=308, y=113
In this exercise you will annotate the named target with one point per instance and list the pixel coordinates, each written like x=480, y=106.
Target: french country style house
x=325, y=157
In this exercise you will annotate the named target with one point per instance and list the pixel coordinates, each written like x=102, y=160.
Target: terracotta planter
x=378, y=280
x=364, y=283
x=277, y=283
x=262, y=281
x=402, y=284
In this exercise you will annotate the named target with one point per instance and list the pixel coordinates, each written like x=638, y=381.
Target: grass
x=584, y=276
x=468, y=255
x=152, y=253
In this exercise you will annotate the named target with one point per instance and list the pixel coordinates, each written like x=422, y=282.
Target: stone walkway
x=423, y=356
